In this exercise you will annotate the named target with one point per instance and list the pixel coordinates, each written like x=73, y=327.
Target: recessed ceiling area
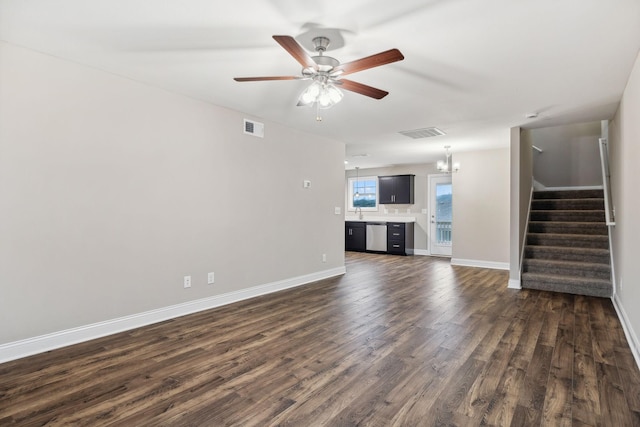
x=471, y=69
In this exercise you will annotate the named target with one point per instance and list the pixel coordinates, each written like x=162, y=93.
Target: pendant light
x=446, y=166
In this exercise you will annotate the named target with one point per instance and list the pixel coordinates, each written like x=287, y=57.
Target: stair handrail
x=609, y=209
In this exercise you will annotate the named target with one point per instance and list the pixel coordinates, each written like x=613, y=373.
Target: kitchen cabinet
x=396, y=189
x=400, y=238
x=355, y=236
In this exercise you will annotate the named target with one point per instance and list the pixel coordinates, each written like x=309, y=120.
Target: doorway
x=440, y=215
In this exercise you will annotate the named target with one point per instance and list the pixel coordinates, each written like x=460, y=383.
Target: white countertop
x=381, y=219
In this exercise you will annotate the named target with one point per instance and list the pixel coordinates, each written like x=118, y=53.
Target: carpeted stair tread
x=568, y=239
x=567, y=268
x=567, y=215
x=568, y=194
x=568, y=227
x=568, y=284
x=578, y=204
x=566, y=253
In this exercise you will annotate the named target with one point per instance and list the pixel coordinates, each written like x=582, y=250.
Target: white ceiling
x=472, y=68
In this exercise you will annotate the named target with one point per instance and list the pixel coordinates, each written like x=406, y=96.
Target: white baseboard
x=422, y=252
x=514, y=284
x=480, y=263
x=583, y=187
x=632, y=337
x=40, y=344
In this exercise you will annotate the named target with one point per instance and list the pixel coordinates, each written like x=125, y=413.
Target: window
x=366, y=188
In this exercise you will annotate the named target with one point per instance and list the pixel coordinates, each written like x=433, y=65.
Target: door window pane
x=443, y=213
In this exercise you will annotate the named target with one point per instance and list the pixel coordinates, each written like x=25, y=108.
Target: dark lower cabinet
x=355, y=236
x=400, y=238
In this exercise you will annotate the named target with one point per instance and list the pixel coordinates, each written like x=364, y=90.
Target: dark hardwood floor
x=397, y=341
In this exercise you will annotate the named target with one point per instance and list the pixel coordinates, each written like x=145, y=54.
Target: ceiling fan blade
x=362, y=89
x=382, y=58
x=259, y=79
x=291, y=45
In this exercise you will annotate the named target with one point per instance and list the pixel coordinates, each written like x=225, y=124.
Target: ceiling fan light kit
x=326, y=73
x=326, y=95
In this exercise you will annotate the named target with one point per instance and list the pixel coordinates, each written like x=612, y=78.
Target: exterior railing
x=443, y=232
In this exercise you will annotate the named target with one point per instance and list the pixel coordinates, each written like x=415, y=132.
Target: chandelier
x=446, y=166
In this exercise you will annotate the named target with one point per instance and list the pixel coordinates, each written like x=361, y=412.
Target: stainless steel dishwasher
x=377, y=236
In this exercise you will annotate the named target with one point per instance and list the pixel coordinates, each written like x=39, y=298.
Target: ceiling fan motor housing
x=325, y=63
x=321, y=44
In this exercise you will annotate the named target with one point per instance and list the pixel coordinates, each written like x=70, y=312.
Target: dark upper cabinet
x=355, y=236
x=385, y=189
x=396, y=189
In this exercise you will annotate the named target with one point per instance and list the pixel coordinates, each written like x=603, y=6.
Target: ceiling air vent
x=254, y=128
x=422, y=133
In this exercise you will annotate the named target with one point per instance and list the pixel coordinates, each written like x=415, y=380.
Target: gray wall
x=481, y=208
x=570, y=157
x=111, y=191
x=624, y=153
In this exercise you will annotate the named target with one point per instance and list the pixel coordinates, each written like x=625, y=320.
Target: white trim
x=352, y=179
x=606, y=181
x=514, y=284
x=480, y=263
x=422, y=252
x=629, y=333
x=524, y=238
x=30, y=346
x=537, y=186
x=584, y=187
x=612, y=264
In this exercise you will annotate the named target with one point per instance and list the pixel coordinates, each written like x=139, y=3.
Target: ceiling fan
x=326, y=72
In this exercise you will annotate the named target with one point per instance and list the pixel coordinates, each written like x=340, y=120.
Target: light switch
x=306, y=183
x=337, y=210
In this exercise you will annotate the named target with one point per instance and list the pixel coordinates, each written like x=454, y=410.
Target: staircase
x=567, y=248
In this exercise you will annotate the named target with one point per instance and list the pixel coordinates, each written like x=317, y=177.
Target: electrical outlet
x=210, y=278
x=187, y=281
x=324, y=257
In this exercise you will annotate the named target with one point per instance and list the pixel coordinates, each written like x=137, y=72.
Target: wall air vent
x=422, y=133
x=254, y=128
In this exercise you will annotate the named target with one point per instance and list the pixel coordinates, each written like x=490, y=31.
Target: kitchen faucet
x=359, y=216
